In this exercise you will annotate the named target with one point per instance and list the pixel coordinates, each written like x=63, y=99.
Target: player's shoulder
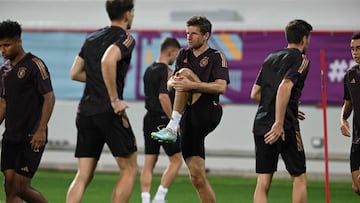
x=34, y=60
x=218, y=53
x=353, y=68
x=98, y=33
x=156, y=66
x=36, y=63
x=214, y=54
x=287, y=54
x=184, y=51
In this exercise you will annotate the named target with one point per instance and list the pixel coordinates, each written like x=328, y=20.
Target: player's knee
x=20, y=191
x=178, y=164
x=130, y=171
x=135, y=170
x=85, y=178
x=176, y=160
x=184, y=71
x=187, y=73
x=9, y=190
x=197, y=180
x=263, y=182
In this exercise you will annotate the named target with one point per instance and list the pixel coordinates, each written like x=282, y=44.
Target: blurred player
x=103, y=61
x=276, y=127
x=26, y=104
x=200, y=76
x=158, y=103
x=352, y=104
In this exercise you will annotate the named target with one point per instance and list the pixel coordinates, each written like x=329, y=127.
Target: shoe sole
x=161, y=140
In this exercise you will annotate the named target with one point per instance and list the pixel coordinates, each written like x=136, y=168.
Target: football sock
x=161, y=193
x=145, y=197
x=174, y=121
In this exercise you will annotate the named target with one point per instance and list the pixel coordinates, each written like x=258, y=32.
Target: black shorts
x=291, y=150
x=152, y=122
x=198, y=120
x=355, y=157
x=112, y=129
x=20, y=157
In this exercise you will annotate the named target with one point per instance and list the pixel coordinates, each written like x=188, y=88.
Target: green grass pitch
x=54, y=184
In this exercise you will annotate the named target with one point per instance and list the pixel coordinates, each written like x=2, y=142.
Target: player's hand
x=119, y=106
x=301, y=115
x=175, y=82
x=181, y=83
x=274, y=134
x=38, y=140
x=345, y=128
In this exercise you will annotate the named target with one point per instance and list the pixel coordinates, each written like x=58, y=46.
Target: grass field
x=54, y=184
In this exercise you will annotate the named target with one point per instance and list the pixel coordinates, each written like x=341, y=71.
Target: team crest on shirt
x=204, y=61
x=21, y=72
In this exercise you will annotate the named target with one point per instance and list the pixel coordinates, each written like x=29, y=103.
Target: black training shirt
x=208, y=66
x=286, y=63
x=155, y=82
x=95, y=97
x=23, y=87
x=351, y=92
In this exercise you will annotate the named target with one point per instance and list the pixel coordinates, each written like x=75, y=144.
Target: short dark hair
x=202, y=22
x=117, y=8
x=296, y=29
x=10, y=29
x=356, y=36
x=169, y=42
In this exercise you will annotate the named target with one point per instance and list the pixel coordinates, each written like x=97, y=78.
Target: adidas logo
x=353, y=81
x=26, y=169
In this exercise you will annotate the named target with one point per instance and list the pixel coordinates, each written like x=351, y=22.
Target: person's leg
x=355, y=181
x=358, y=181
x=355, y=168
x=182, y=98
x=299, y=193
x=293, y=155
x=262, y=187
x=169, y=175
x=265, y=165
x=146, y=176
x=20, y=162
x=196, y=166
x=19, y=188
x=84, y=175
x=9, y=181
x=124, y=185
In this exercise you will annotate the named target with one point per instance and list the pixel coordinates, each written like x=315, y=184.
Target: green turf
x=54, y=184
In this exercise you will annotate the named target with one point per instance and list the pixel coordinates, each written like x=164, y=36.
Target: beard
x=195, y=45
x=9, y=56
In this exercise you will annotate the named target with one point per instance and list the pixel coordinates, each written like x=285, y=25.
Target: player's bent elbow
x=252, y=96
x=222, y=89
x=73, y=76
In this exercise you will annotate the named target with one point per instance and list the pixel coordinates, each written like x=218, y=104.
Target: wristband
x=115, y=99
